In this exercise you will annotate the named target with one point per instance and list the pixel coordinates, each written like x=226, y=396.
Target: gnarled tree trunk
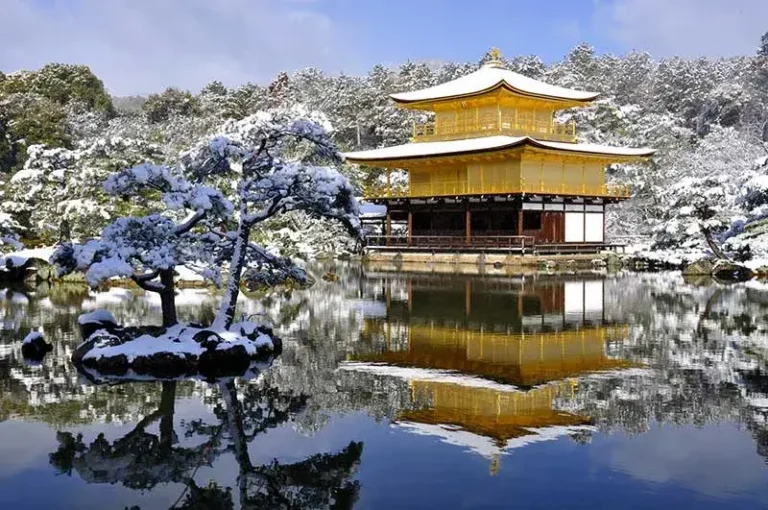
x=168, y=298
x=716, y=250
x=226, y=315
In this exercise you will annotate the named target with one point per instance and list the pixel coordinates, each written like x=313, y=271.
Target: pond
x=409, y=391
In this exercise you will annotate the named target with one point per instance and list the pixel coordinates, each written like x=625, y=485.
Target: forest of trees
x=61, y=134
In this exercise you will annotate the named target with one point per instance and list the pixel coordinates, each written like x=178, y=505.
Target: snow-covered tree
x=172, y=102
x=712, y=193
x=192, y=230
x=70, y=185
x=62, y=84
x=28, y=119
x=9, y=233
x=255, y=151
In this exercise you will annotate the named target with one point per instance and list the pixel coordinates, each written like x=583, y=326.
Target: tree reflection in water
x=141, y=460
x=696, y=357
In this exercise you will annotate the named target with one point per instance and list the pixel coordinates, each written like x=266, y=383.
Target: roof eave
x=527, y=141
x=413, y=103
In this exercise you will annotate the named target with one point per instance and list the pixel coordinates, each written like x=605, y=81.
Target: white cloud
x=139, y=46
x=686, y=28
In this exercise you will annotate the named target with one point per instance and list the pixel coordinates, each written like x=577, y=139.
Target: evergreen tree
x=172, y=102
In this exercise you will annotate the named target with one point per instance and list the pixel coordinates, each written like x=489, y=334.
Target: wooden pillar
x=467, y=298
x=389, y=227
x=389, y=182
x=410, y=225
x=520, y=221
x=468, y=224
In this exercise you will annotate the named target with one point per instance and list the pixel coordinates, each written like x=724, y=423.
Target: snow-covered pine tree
x=192, y=230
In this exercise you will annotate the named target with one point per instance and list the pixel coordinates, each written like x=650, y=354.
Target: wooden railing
x=501, y=125
x=456, y=188
x=516, y=243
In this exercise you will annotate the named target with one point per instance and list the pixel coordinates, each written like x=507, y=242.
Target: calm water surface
x=410, y=391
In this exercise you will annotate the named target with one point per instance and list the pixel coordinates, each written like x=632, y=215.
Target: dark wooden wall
x=552, y=227
x=495, y=219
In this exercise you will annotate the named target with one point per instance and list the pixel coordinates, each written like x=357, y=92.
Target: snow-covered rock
x=34, y=347
x=725, y=270
x=180, y=350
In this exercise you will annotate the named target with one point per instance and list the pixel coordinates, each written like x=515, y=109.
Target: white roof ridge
x=489, y=77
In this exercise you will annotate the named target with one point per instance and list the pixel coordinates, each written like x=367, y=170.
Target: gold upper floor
x=495, y=114
x=524, y=172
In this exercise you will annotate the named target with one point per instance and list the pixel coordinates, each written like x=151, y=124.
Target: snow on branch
x=270, y=163
x=320, y=191
x=177, y=192
x=130, y=247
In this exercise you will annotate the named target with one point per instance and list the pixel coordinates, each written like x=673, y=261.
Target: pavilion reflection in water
x=487, y=360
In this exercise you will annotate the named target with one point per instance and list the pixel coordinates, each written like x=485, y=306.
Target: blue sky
x=463, y=30
x=140, y=46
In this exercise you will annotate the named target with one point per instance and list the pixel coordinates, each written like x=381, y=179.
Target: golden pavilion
x=487, y=362
x=495, y=170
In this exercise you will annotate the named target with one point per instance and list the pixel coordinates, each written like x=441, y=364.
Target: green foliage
x=173, y=102
x=28, y=119
x=215, y=88
x=7, y=147
x=34, y=105
x=243, y=101
x=36, y=120
x=63, y=84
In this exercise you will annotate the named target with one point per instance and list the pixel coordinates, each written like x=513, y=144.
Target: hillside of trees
x=61, y=133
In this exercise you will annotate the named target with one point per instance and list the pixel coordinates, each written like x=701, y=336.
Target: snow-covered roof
x=488, y=143
x=428, y=375
x=488, y=78
x=485, y=446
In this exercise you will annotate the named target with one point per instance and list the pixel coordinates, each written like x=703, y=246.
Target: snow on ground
x=185, y=274
x=679, y=257
x=757, y=263
x=19, y=258
x=96, y=316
